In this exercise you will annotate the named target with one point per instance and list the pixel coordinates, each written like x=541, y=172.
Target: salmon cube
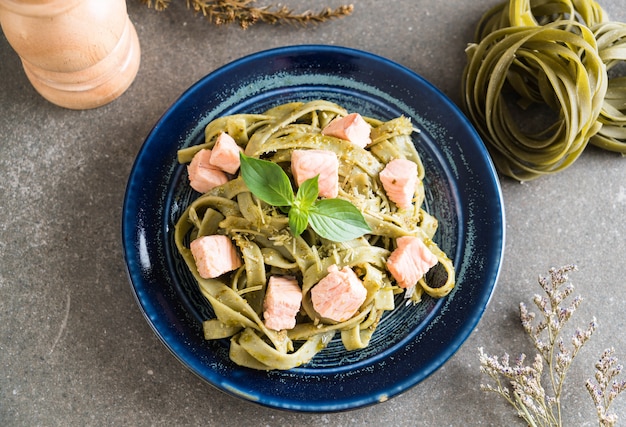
x=203, y=176
x=282, y=302
x=399, y=179
x=214, y=255
x=410, y=261
x=351, y=128
x=307, y=164
x=225, y=154
x=339, y=294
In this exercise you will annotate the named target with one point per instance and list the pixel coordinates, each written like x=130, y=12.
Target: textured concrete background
x=76, y=350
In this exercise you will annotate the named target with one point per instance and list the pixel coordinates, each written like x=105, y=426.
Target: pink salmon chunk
x=307, y=164
x=203, y=176
x=351, y=128
x=282, y=302
x=339, y=294
x=399, y=179
x=410, y=261
x=225, y=154
x=214, y=255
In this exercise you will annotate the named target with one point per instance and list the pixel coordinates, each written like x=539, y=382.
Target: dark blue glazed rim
x=462, y=191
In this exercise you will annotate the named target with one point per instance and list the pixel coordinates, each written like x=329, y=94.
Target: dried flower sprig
x=607, y=388
x=221, y=12
x=521, y=385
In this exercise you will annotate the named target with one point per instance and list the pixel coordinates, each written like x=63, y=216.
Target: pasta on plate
x=268, y=247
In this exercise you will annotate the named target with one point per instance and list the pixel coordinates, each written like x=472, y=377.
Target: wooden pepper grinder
x=78, y=54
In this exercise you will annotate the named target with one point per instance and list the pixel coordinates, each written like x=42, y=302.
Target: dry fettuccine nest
x=542, y=82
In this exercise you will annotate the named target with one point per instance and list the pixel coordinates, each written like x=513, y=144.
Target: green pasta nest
x=541, y=83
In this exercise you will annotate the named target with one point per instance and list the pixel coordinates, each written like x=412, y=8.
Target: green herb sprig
x=333, y=219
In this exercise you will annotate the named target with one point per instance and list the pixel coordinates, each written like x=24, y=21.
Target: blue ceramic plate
x=462, y=191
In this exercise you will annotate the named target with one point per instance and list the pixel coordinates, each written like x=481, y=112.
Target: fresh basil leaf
x=337, y=220
x=266, y=180
x=298, y=220
x=333, y=219
x=307, y=193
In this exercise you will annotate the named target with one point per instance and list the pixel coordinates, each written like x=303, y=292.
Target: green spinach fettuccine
x=268, y=246
x=538, y=87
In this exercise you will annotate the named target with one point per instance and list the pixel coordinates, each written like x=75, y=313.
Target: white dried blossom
x=520, y=385
x=607, y=388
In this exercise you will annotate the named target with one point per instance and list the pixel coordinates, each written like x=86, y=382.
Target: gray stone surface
x=74, y=346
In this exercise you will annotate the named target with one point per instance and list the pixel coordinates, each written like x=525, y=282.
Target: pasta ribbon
x=611, y=40
x=262, y=235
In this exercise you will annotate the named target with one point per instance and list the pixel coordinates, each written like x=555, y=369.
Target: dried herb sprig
x=607, y=388
x=521, y=385
x=222, y=12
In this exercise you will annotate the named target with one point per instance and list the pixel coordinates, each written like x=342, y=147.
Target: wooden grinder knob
x=78, y=54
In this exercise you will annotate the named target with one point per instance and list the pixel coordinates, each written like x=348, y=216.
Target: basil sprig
x=333, y=219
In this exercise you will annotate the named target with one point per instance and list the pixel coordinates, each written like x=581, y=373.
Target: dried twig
x=243, y=12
